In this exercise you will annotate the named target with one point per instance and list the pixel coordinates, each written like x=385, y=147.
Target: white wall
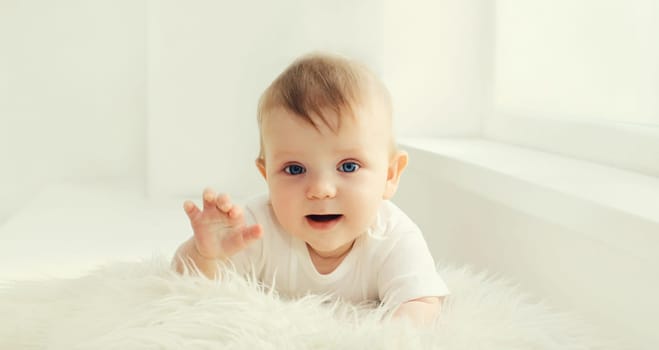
x=578, y=78
x=588, y=59
x=72, y=94
x=208, y=64
x=438, y=65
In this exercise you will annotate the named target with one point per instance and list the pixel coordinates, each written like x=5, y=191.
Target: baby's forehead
x=372, y=99
x=330, y=118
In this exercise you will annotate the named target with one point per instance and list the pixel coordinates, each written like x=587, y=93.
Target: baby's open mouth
x=323, y=218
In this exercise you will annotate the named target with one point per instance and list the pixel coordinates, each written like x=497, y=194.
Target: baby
x=330, y=162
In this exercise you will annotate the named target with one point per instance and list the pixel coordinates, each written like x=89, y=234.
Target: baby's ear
x=260, y=164
x=396, y=167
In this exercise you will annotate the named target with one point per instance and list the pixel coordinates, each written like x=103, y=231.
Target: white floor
x=68, y=230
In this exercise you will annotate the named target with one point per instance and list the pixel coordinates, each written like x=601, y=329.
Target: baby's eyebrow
x=285, y=157
x=353, y=153
x=286, y=154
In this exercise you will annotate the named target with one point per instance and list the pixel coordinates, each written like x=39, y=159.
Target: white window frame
x=631, y=147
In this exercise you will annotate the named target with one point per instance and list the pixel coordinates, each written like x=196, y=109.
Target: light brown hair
x=317, y=82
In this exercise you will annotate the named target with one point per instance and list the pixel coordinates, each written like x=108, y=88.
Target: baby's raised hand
x=219, y=229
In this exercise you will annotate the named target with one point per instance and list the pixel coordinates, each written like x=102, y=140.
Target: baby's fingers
x=223, y=204
x=252, y=233
x=209, y=198
x=191, y=210
x=241, y=239
x=235, y=214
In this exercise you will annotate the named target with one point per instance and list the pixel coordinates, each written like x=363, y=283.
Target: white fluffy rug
x=147, y=306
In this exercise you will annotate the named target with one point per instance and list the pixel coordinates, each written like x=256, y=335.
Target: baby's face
x=325, y=186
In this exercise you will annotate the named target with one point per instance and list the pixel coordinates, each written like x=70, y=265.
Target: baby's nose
x=321, y=188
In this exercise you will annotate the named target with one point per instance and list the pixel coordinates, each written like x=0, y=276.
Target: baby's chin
x=330, y=249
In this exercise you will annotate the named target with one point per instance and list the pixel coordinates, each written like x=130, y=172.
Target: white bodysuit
x=393, y=267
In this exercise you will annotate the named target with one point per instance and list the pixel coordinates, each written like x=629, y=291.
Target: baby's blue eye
x=348, y=167
x=294, y=169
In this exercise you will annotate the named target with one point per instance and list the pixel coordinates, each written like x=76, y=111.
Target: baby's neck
x=326, y=264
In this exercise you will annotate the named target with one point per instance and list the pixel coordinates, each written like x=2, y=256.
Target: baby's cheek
x=278, y=188
x=368, y=188
x=283, y=203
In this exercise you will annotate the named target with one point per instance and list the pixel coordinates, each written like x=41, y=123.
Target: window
x=579, y=78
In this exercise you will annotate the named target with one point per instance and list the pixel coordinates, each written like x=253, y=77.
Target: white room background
x=163, y=93
x=72, y=95
x=208, y=64
x=166, y=91
x=578, y=78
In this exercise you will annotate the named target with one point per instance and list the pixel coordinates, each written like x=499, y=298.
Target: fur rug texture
x=145, y=305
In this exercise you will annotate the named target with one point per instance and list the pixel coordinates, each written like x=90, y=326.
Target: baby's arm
x=421, y=311
x=219, y=233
